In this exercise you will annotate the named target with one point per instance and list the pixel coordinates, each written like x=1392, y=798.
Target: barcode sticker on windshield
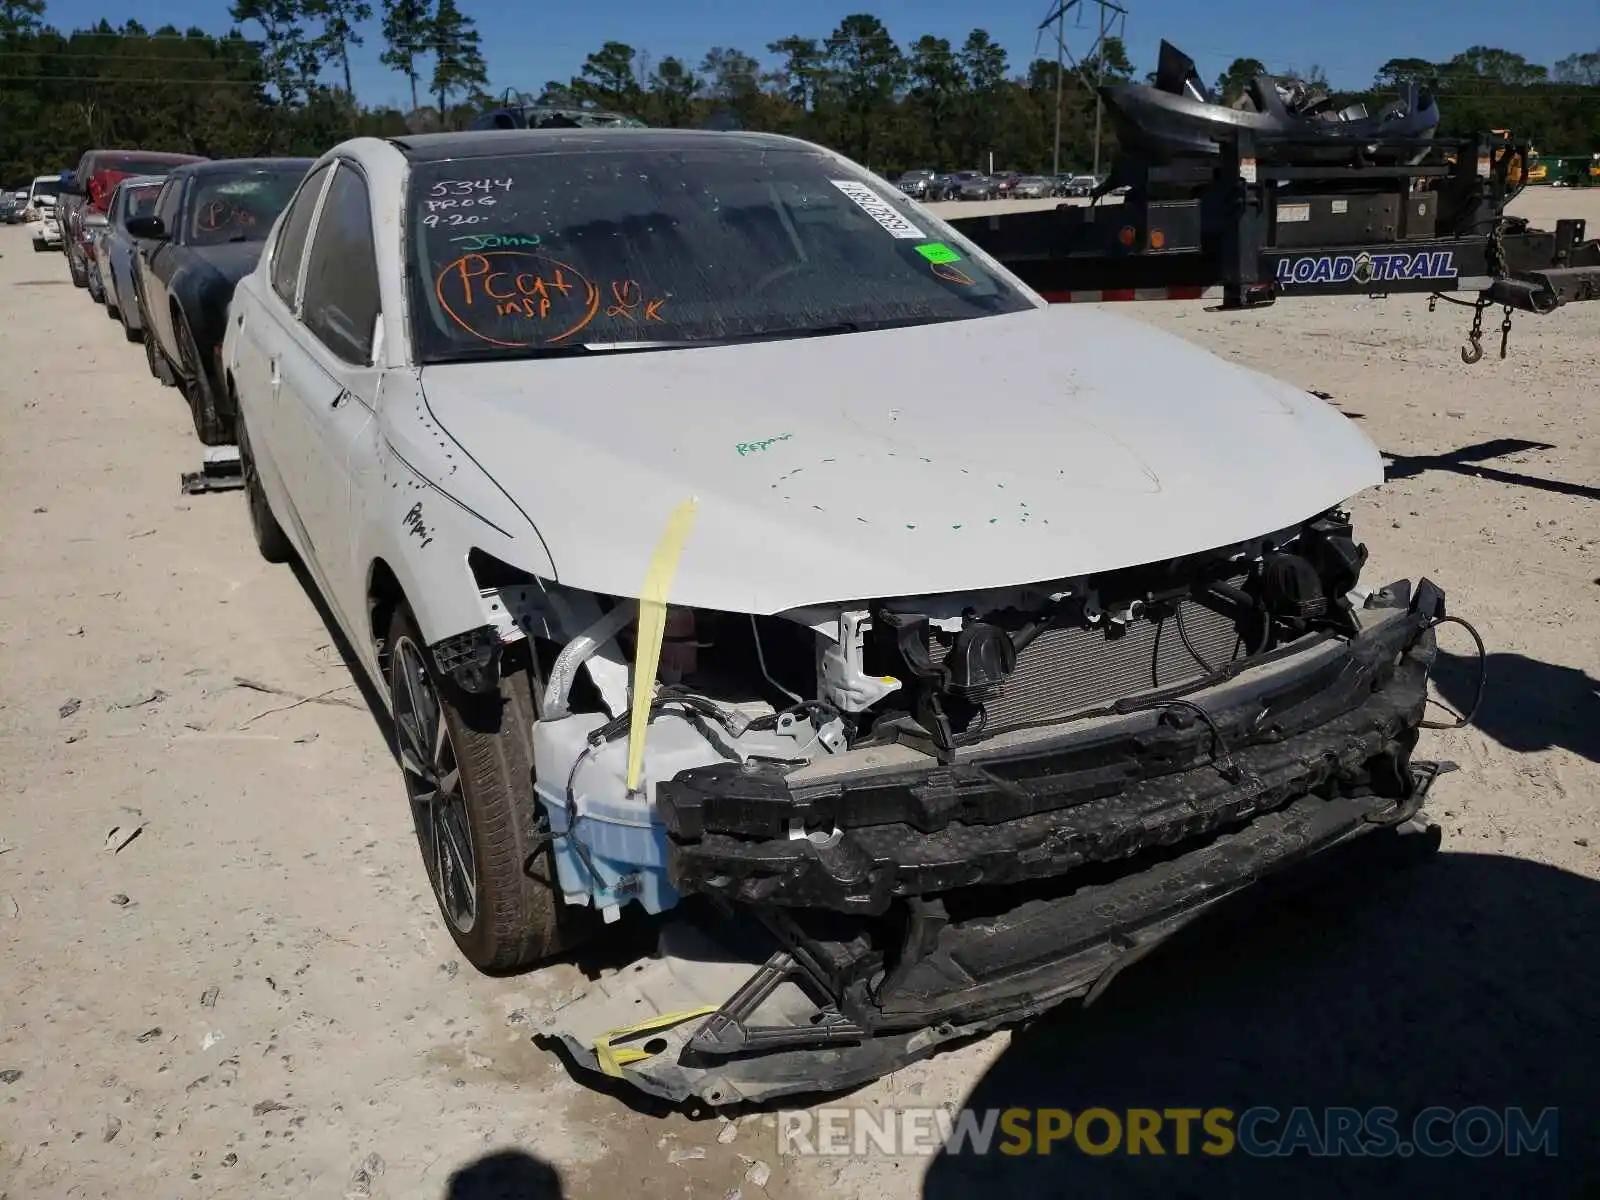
x=879, y=209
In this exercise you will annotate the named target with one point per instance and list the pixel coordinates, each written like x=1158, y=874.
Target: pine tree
x=458, y=64
x=407, y=26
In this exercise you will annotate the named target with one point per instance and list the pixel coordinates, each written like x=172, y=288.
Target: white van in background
x=40, y=213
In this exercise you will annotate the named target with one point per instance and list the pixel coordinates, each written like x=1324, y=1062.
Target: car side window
x=340, y=305
x=167, y=204
x=291, y=245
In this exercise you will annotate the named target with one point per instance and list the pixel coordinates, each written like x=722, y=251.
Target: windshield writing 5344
x=641, y=246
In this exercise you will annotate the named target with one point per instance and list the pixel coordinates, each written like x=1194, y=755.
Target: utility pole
x=1113, y=21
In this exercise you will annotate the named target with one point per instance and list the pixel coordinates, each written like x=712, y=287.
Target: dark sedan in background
x=970, y=185
x=205, y=233
x=117, y=251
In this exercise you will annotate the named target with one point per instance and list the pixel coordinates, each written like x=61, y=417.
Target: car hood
x=232, y=260
x=975, y=454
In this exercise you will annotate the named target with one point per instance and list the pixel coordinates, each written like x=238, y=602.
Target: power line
x=112, y=80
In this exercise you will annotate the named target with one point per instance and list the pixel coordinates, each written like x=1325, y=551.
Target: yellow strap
x=612, y=1059
x=652, y=626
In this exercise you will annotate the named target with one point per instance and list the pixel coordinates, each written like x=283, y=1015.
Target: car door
x=267, y=319
x=159, y=261
x=329, y=383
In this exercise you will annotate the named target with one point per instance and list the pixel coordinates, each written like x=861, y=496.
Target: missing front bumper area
x=1342, y=723
x=709, y=1020
x=947, y=901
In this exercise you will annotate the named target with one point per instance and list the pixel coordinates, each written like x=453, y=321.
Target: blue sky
x=527, y=44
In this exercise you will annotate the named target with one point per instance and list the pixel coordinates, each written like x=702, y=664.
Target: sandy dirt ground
x=255, y=997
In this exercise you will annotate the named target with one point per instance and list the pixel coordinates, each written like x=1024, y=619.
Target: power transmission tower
x=1113, y=22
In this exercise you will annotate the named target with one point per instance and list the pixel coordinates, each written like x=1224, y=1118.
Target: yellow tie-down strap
x=612, y=1059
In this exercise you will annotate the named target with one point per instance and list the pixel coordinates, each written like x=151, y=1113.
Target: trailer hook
x=1473, y=351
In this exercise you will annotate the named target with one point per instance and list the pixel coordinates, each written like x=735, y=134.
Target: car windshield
x=240, y=207
x=568, y=250
x=48, y=187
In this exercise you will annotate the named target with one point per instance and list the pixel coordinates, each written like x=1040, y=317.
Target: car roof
x=231, y=166
x=483, y=143
x=171, y=156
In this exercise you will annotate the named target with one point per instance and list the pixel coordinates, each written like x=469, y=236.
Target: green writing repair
x=938, y=252
x=764, y=444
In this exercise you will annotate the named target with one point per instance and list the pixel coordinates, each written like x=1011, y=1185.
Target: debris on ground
x=325, y=697
x=211, y=1039
x=758, y=1174
x=361, y=1182
x=449, y=969
x=263, y=1107
x=10, y=1075
x=120, y=835
x=68, y=707
x=121, y=900
x=687, y=1154
x=208, y=998
x=149, y=1035
x=112, y=1128
x=139, y=700
x=728, y=1132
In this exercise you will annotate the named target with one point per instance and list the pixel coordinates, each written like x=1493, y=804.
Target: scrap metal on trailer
x=1290, y=196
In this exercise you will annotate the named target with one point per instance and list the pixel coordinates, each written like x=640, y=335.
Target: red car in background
x=86, y=194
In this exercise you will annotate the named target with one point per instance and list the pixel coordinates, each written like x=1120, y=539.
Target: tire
x=210, y=425
x=112, y=311
x=273, y=543
x=38, y=246
x=517, y=917
x=80, y=275
x=97, y=294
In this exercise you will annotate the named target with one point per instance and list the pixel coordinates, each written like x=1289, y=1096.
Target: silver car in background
x=916, y=183
x=115, y=251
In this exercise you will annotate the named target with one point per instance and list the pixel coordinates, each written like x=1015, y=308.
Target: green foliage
x=458, y=66
x=1231, y=83
x=407, y=25
x=926, y=103
x=608, y=78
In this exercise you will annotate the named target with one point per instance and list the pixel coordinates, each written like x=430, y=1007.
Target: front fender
x=202, y=296
x=426, y=507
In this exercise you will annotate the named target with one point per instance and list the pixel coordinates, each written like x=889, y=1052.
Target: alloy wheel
x=433, y=785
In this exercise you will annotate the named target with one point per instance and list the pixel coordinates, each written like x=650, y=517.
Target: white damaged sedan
x=727, y=533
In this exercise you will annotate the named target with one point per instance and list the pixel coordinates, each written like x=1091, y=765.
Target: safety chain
x=1496, y=261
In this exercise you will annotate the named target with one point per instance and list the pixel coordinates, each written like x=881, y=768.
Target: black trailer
x=1250, y=226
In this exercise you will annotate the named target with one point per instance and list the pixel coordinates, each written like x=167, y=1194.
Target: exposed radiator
x=1066, y=671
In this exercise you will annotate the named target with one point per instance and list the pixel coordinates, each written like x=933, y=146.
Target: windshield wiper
x=590, y=349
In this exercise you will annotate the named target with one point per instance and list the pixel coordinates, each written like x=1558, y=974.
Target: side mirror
x=147, y=227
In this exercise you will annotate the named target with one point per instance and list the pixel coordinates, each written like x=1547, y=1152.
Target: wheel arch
x=385, y=595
